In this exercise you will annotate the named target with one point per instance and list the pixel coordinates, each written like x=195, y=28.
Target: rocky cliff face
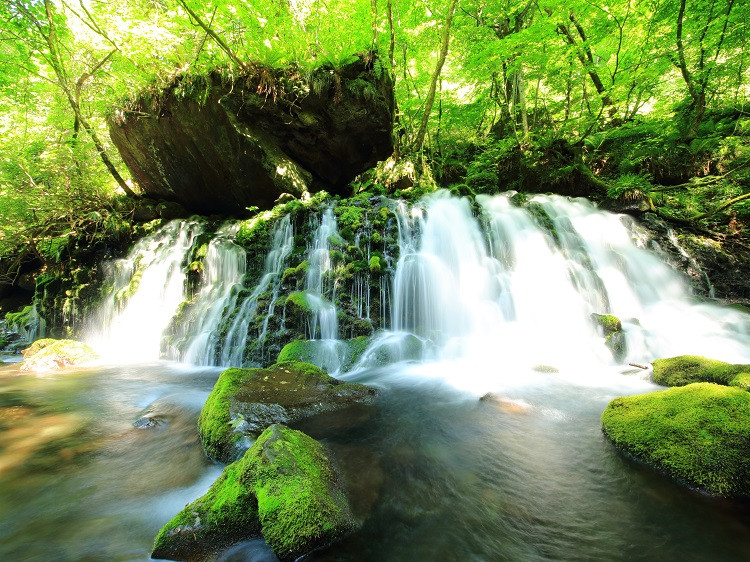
x=220, y=146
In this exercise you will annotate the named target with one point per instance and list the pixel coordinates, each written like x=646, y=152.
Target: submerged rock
x=686, y=369
x=283, y=488
x=698, y=434
x=246, y=401
x=505, y=405
x=220, y=145
x=52, y=355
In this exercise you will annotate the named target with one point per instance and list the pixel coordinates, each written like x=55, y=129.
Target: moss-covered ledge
x=687, y=369
x=698, y=434
x=283, y=488
x=246, y=401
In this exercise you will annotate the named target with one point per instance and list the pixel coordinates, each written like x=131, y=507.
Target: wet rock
x=610, y=327
x=283, y=488
x=224, y=146
x=52, y=355
x=149, y=422
x=246, y=401
x=716, y=267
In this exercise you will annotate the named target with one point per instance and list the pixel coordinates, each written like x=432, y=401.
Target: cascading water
x=147, y=289
x=323, y=322
x=236, y=339
x=494, y=300
x=224, y=267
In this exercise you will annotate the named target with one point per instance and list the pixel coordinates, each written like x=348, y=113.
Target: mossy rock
x=614, y=338
x=52, y=355
x=246, y=401
x=37, y=346
x=316, y=351
x=686, y=369
x=284, y=487
x=698, y=434
x=296, y=274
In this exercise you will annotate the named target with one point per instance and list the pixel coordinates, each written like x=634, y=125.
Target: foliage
x=698, y=434
x=651, y=90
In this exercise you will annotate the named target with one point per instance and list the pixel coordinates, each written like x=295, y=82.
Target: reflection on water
x=77, y=480
x=435, y=473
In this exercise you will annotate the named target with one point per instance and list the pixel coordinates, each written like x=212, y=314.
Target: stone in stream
x=246, y=401
x=283, y=488
x=686, y=369
x=51, y=355
x=698, y=434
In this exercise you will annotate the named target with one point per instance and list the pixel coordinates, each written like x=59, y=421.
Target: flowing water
x=493, y=302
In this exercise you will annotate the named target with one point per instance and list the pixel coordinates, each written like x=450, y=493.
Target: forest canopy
x=478, y=83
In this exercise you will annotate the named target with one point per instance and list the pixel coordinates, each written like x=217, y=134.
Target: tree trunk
x=445, y=42
x=51, y=40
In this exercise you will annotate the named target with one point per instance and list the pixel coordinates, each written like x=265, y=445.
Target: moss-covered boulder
x=698, y=434
x=610, y=327
x=246, y=401
x=52, y=355
x=284, y=487
x=220, y=144
x=317, y=352
x=686, y=369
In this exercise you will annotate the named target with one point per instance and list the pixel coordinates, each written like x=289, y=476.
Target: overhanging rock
x=219, y=146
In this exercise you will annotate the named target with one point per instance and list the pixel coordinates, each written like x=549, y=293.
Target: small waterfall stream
x=147, y=289
x=238, y=332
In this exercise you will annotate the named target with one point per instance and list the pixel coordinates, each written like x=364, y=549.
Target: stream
x=435, y=473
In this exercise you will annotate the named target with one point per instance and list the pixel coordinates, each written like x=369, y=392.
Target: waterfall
x=513, y=291
x=224, y=267
x=318, y=284
x=147, y=288
x=237, y=334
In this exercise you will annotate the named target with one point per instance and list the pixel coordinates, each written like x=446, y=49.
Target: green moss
x=299, y=505
x=21, y=319
x=297, y=307
x=698, y=434
x=376, y=265
x=227, y=513
x=217, y=435
x=295, y=273
x=309, y=351
x=37, y=346
x=246, y=401
x=47, y=355
x=608, y=323
x=283, y=487
x=686, y=369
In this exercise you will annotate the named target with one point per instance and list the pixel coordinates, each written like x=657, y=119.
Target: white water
x=224, y=268
x=147, y=289
x=233, y=346
x=483, y=302
x=492, y=302
x=320, y=289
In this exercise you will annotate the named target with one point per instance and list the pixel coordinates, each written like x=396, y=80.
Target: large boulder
x=283, y=488
x=246, y=401
x=698, y=434
x=52, y=355
x=220, y=145
x=686, y=369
